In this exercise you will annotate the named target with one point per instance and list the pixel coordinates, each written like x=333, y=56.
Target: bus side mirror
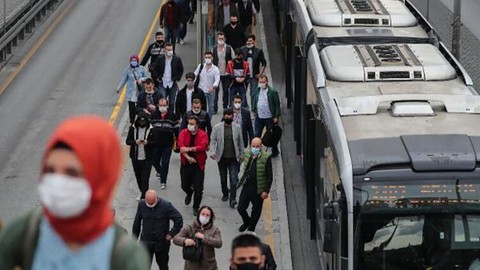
x=331, y=211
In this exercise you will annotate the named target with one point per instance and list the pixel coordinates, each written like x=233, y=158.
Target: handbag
x=140, y=87
x=193, y=253
x=272, y=136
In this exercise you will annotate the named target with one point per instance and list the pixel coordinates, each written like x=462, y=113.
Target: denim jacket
x=129, y=80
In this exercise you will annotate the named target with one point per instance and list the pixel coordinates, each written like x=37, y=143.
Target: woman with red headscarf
x=75, y=228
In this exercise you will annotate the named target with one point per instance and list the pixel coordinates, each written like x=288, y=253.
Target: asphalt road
x=76, y=72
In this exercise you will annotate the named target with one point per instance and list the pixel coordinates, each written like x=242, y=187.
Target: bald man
x=256, y=181
x=153, y=220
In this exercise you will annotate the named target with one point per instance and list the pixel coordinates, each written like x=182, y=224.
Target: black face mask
x=248, y=266
x=228, y=121
x=239, y=59
x=233, y=23
x=160, y=42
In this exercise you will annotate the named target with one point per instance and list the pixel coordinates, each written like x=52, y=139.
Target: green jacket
x=18, y=242
x=273, y=102
x=264, y=171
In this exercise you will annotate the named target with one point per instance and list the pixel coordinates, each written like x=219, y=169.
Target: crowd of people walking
x=165, y=118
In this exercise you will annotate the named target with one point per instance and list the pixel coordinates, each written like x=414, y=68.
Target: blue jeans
x=264, y=123
x=231, y=165
x=238, y=90
x=171, y=93
x=161, y=161
x=253, y=82
x=210, y=102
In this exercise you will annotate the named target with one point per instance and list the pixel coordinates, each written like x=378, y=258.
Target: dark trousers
x=230, y=166
x=264, y=123
x=171, y=93
x=192, y=182
x=182, y=31
x=161, y=254
x=171, y=35
x=247, y=196
x=225, y=82
x=161, y=161
x=238, y=90
x=142, y=169
x=132, y=111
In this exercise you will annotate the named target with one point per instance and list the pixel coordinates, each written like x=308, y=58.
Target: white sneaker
x=163, y=186
x=158, y=177
x=181, y=42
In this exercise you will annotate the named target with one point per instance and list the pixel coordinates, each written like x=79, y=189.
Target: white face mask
x=249, y=46
x=191, y=128
x=196, y=111
x=262, y=85
x=169, y=53
x=151, y=205
x=163, y=109
x=221, y=42
x=204, y=220
x=208, y=61
x=64, y=196
x=237, y=105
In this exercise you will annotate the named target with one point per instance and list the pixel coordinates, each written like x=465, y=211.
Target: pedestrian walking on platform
x=75, y=228
x=154, y=50
x=138, y=138
x=247, y=253
x=152, y=226
x=165, y=129
x=193, y=144
x=186, y=96
x=256, y=181
x=208, y=79
x=204, y=231
x=167, y=71
x=242, y=117
x=171, y=18
x=238, y=71
x=222, y=54
x=266, y=106
x=226, y=147
x=148, y=99
x=133, y=77
x=270, y=263
x=248, y=15
x=184, y=6
x=223, y=12
x=204, y=120
x=257, y=64
x=234, y=32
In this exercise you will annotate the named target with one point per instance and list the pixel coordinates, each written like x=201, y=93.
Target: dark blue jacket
x=247, y=127
x=142, y=100
x=155, y=222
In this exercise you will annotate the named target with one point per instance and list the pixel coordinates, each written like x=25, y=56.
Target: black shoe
x=225, y=198
x=195, y=211
x=233, y=203
x=188, y=199
x=243, y=228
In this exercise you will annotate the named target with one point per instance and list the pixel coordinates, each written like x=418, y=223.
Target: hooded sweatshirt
x=98, y=149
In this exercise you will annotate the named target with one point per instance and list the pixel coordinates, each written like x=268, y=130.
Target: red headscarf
x=97, y=146
x=134, y=57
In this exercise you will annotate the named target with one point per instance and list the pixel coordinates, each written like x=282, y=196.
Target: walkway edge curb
x=279, y=206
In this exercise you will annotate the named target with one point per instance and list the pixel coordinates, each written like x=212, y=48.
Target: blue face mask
x=255, y=150
x=134, y=63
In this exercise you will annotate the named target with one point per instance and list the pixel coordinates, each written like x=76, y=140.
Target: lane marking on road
x=38, y=44
x=123, y=93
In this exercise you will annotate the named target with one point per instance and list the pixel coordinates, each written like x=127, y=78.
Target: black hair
x=190, y=75
x=193, y=117
x=168, y=44
x=212, y=215
x=148, y=80
x=252, y=36
x=159, y=34
x=62, y=145
x=228, y=111
x=208, y=52
x=141, y=115
x=196, y=101
x=220, y=33
x=246, y=240
x=237, y=96
x=238, y=51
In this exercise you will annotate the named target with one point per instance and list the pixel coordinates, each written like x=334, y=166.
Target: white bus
x=387, y=124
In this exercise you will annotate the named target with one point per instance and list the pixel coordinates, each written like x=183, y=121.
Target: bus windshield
x=418, y=225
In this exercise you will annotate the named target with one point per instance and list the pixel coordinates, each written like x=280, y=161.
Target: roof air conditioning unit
x=397, y=62
x=337, y=13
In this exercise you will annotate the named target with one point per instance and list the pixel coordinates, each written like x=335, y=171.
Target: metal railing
x=22, y=24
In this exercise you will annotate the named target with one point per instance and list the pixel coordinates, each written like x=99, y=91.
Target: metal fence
x=442, y=18
x=10, y=8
